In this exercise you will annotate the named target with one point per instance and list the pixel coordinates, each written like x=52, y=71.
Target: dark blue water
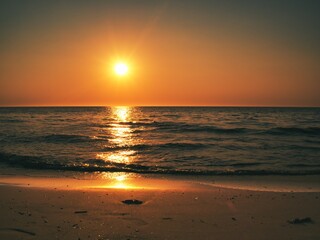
x=166, y=140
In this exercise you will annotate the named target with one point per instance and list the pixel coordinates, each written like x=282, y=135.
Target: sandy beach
x=32, y=208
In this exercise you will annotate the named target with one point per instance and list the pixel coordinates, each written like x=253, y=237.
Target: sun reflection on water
x=117, y=157
x=121, y=133
x=121, y=113
x=121, y=138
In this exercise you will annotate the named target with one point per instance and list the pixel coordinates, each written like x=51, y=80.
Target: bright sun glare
x=121, y=69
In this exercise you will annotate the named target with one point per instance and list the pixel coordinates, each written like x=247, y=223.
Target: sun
x=121, y=68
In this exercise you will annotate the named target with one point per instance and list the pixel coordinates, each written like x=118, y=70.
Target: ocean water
x=164, y=140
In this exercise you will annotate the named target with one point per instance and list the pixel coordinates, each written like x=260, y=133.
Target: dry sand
x=175, y=209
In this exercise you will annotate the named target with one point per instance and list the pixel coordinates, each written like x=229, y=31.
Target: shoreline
x=123, y=180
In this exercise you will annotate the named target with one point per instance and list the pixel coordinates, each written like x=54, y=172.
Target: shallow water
x=166, y=140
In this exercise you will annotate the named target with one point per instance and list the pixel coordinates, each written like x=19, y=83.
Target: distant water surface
x=165, y=140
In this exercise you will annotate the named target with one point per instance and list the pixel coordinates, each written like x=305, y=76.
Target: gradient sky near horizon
x=252, y=53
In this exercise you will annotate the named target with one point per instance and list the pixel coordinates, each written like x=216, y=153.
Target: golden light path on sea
x=121, y=137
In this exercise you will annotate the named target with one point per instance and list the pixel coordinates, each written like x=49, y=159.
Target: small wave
x=183, y=127
x=172, y=115
x=176, y=146
x=304, y=147
x=302, y=165
x=179, y=127
x=237, y=165
x=98, y=165
x=11, y=121
x=246, y=164
x=69, y=138
x=294, y=131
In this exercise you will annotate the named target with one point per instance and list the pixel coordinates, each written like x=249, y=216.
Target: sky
x=206, y=53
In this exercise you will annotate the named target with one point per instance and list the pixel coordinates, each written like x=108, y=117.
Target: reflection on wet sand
x=105, y=180
x=120, y=180
x=121, y=136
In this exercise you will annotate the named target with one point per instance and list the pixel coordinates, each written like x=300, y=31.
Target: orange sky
x=62, y=53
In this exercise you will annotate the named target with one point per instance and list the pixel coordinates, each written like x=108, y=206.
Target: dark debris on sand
x=19, y=230
x=77, y=212
x=301, y=220
x=132, y=201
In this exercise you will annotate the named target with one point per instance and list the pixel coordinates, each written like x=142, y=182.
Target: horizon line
x=221, y=106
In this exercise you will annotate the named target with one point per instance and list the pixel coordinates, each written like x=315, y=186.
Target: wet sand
x=174, y=209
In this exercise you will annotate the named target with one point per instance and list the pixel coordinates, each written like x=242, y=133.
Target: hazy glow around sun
x=121, y=69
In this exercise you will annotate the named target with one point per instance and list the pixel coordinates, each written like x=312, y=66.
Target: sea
x=162, y=140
